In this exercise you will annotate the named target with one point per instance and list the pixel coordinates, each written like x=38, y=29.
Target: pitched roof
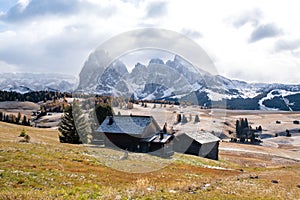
x=201, y=137
x=133, y=125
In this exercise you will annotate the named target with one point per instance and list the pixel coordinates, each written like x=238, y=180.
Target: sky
x=254, y=41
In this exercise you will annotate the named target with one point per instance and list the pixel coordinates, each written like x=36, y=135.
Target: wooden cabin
x=135, y=134
x=202, y=144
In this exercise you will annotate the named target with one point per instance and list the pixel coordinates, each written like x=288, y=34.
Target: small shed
x=202, y=144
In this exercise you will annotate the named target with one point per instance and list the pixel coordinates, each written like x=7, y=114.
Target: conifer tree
x=6, y=118
x=237, y=129
x=103, y=110
x=178, y=119
x=24, y=121
x=18, y=118
x=184, y=119
x=73, y=127
x=197, y=119
x=242, y=124
x=81, y=124
x=259, y=128
x=246, y=123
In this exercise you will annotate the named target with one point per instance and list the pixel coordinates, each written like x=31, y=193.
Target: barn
x=202, y=144
x=136, y=134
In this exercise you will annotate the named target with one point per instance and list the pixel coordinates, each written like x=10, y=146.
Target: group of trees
x=35, y=96
x=183, y=119
x=15, y=119
x=245, y=132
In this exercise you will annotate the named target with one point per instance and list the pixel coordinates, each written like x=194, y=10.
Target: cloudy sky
x=255, y=41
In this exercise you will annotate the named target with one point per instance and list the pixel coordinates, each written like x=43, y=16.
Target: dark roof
x=201, y=137
x=133, y=125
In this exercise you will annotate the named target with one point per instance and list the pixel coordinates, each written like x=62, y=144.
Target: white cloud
x=249, y=16
x=47, y=36
x=265, y=31
x=5, y=67
x=156, y=9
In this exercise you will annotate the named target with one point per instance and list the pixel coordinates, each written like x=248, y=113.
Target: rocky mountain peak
x=156, y=61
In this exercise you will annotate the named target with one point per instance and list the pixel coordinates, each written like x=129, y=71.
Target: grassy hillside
x=46, y=169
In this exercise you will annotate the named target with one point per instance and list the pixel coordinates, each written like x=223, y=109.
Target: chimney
x=161, y=135
x=164, y=131
x=110, y=120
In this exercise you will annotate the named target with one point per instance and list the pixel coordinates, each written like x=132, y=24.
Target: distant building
x=202, y=144
x=135, y=134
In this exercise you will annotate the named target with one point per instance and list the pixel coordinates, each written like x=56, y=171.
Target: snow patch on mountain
x=277, y=93
x=27, y=82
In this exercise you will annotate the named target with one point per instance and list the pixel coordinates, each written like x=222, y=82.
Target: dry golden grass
x=47, y=169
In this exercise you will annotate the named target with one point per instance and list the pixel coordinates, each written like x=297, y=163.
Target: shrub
x=23, y=133
x=27, y=138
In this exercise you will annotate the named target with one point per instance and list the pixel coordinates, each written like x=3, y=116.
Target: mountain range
x=179, y=80
x=27, y=82
x=174, y=79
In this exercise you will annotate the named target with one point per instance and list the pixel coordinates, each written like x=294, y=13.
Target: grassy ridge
x=46, y=169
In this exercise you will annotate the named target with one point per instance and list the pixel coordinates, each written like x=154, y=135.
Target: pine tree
x=242, y=124
x=18, y=118
x=81, y=124
x=184, y=119
x=259, y=128
x=197, y=119
x=237, y=129
x=178, y=119
x=24, y=121
x=67, y=128
x=103, y=110
x=6, y=118
x=13, y=119
x=246, y=123
x=132, y=99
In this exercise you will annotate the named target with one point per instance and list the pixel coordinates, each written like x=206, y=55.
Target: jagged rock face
x=156, y=61
x=178, y=79
x=93, y=67
x=111, y=79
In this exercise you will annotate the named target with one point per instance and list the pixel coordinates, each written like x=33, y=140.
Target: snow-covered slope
x=27, y=82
